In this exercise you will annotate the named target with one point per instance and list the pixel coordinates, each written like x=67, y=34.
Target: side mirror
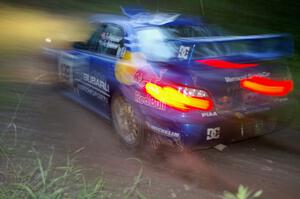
x=79, y=45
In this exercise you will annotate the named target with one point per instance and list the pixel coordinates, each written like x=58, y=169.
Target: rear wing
x=253, y=47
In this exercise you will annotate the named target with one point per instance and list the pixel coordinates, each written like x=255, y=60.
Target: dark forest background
x=240, y=16
x=236, y=16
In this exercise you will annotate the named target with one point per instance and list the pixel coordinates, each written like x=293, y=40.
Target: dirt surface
x=51, y=122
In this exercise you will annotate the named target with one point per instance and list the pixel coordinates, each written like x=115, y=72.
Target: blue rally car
x=167, y=80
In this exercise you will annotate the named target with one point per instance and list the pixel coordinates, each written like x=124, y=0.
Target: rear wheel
x=126, y=123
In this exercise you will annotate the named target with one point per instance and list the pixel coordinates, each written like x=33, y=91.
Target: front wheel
x=129, y=128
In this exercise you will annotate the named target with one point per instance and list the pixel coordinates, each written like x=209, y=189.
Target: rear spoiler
x=132, y=11
x=254, y=47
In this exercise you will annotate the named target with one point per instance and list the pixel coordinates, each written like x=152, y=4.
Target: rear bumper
x=226, y=131
x=220, y=128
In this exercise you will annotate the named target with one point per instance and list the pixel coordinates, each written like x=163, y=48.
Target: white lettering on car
x=148, y=101
x=95, y=81
x=92, y=92
x=162, y=131
x=239, y=78
x=110, y=37
x=209, y=114
x=94, y=86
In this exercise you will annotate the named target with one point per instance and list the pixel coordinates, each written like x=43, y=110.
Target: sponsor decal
x=284, y=99
x=96, y=82
x=183, y=52
x=213, y=133
x=110, y=41
x=92, y=92
x=239, y=78
x=209, y=114
x=162, y=131
x=127, y=67
x=148, y=101
x=139, y=76
x=69, y=65
x=257, y=110
x=109, y=44
x=121, y=52
x=65, y=72
x=110, y=37
x=134, y=68
x=95, y=86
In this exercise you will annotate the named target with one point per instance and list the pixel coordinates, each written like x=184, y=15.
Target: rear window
x=153, y=43
x=159, y=43
x=163, y=43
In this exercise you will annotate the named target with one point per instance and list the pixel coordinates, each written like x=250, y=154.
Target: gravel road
x=52, y=122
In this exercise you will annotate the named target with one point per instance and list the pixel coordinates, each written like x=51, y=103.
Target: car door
x=103, y=58
x=82, y=82
x=74, y=65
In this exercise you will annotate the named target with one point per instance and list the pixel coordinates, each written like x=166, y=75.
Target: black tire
x=127, y=125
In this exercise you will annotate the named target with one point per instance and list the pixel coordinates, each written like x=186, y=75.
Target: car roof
x=142, y=18
x=108, y=18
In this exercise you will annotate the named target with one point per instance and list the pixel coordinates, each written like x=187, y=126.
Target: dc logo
x=213, y=133
x=183, y=52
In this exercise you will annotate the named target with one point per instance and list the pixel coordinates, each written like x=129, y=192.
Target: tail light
x=181, y=98
x=267, y=86
x=217, y=63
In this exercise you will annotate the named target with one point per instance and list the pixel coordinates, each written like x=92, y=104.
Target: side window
x=92, y=43
x=111, y=41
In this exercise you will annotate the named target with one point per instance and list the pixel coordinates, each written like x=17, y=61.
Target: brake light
x=267, y=86
x=175, y=98
x=217, y=63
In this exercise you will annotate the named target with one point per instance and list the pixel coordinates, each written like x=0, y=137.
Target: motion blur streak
x=24, y=30
x=268, y=86
x=175, y=99
x=224, y=64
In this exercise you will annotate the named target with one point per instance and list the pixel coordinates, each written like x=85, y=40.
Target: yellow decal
x=127, y=67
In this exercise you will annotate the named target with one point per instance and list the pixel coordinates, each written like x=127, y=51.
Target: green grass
x=39, y=174
x=7, y=98
x=294, y=64
x=45, y=178
x=295, y=70
x=49, y=181
x=242, y=193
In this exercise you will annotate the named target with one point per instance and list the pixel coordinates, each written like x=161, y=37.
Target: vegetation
x=37, y=178
x=242, y=193
x=6, y=97
x=48, y=181
x=25, y=25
